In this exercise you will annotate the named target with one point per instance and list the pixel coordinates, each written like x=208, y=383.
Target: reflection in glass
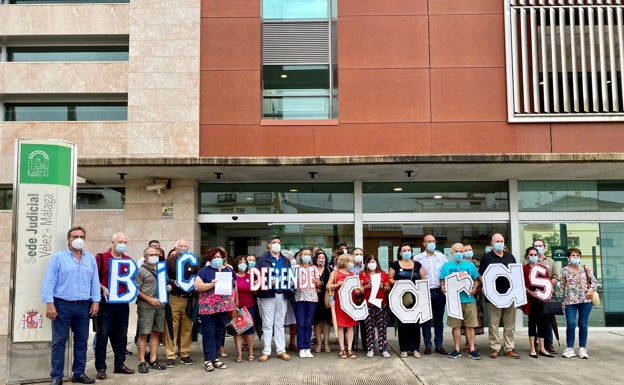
x=295, y=9
x=20, y=112
x=295, y=198
x=67, y=54
x=101, y=198
x=571, y=196
x=435, y=197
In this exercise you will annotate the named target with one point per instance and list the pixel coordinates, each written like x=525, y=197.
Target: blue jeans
x=213, y=332
x=112, y=324
x=72, y=315
x=571, y=311
x=438, y=302
x=304, y=312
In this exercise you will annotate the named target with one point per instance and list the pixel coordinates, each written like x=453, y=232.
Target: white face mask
x=358, y=259
x=276, y=247
x=372, y=266
x=153, y=260
x=78, y=243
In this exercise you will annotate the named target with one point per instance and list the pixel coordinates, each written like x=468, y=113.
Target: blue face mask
x=406, y=255
x=499, y=246
x=468, y=254
x=351, y=266
x=242, y=267
x=575, y=261
x=458, y=257
x=216, y=262
x=252, y=264
x=431, y=246
x=540, y=250
x=306, y=259
x=532, y=259
x=121, y=248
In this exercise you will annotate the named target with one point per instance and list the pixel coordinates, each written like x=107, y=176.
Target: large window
x=92, y=111
x=299, y=59
x=571, y=196
x=288, y=198
x=64, y=1
x=564, y=61
x=434, y=197
x=51, y=54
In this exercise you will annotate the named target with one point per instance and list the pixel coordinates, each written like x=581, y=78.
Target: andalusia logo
x=38, y=164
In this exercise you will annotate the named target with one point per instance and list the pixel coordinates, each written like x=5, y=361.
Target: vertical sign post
x=43, y=211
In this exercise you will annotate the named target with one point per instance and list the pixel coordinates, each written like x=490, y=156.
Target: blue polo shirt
x=464, y=266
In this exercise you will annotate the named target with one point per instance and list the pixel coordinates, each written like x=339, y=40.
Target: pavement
x=605, y=346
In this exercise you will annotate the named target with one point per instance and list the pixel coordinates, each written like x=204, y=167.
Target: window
x=52, y=54
x=103, y=198
x=571, y=196
x=299, y=63
x=434, y=197
x=6, y=198
x=565, y=61
x=92, y=111
x=297, y=198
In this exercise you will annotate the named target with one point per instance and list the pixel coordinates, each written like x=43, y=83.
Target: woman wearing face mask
x=214, y=308
x=406, y=268
x=245, y=299
x=377, y=316
x=578, y=284
x=344, y=269
x=322, y=315
x=537, y=321
x=305, y=301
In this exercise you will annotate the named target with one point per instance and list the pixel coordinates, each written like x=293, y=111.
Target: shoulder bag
x=595, y=298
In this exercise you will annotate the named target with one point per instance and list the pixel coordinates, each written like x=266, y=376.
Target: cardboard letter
x=161, y=277
x=357, y=312
x=537, y=278
x=114, y=279
x=456, y=283
x=186, y=285
x=421, y=311
x=516, y=295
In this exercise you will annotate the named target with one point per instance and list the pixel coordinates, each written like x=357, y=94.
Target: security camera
x=235, y=218
x=155, y=187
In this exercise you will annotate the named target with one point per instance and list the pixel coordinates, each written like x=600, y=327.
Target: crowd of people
x=76, y=289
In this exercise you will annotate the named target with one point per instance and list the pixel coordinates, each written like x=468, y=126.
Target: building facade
x=327, y=121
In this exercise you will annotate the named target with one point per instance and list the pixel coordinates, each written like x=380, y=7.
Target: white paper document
x=224, y=283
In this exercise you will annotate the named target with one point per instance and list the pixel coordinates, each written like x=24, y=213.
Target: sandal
x=143, y=368
x=251, y=358
x=157, y=365
x=218, y=364
x=417, y=354
x=342, y=354
x=327, y=349
x=317, y=349
x=403, y=355
x=239, y=359
x=209, y=367
x=351, y=354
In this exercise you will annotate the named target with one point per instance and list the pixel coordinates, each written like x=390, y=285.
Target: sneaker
x=370, y=354
x=454, y=354
x=309, y=353
x=385, y=354
x=170, y=363
x=186, y=361
x=568, y=353
x=475, y=355
x=302, y=354
x=583, y=353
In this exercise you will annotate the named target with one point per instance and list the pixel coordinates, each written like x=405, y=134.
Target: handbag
x=242, y=322
x=552, y=306
x=595, y=298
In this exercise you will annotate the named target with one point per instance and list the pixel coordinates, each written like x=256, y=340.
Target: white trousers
x=273, y=311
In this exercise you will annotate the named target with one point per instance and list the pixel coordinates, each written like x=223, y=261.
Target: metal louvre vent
x=295, y=42
x=565, y=60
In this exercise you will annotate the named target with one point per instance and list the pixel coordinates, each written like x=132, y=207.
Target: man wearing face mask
x=467, y=300
x=553, y=273
x=150, y=312
x=178, y=299
x=495, y=314
x=113, y=317
x=432, y=261
x=71, y=292
x=272, y=302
